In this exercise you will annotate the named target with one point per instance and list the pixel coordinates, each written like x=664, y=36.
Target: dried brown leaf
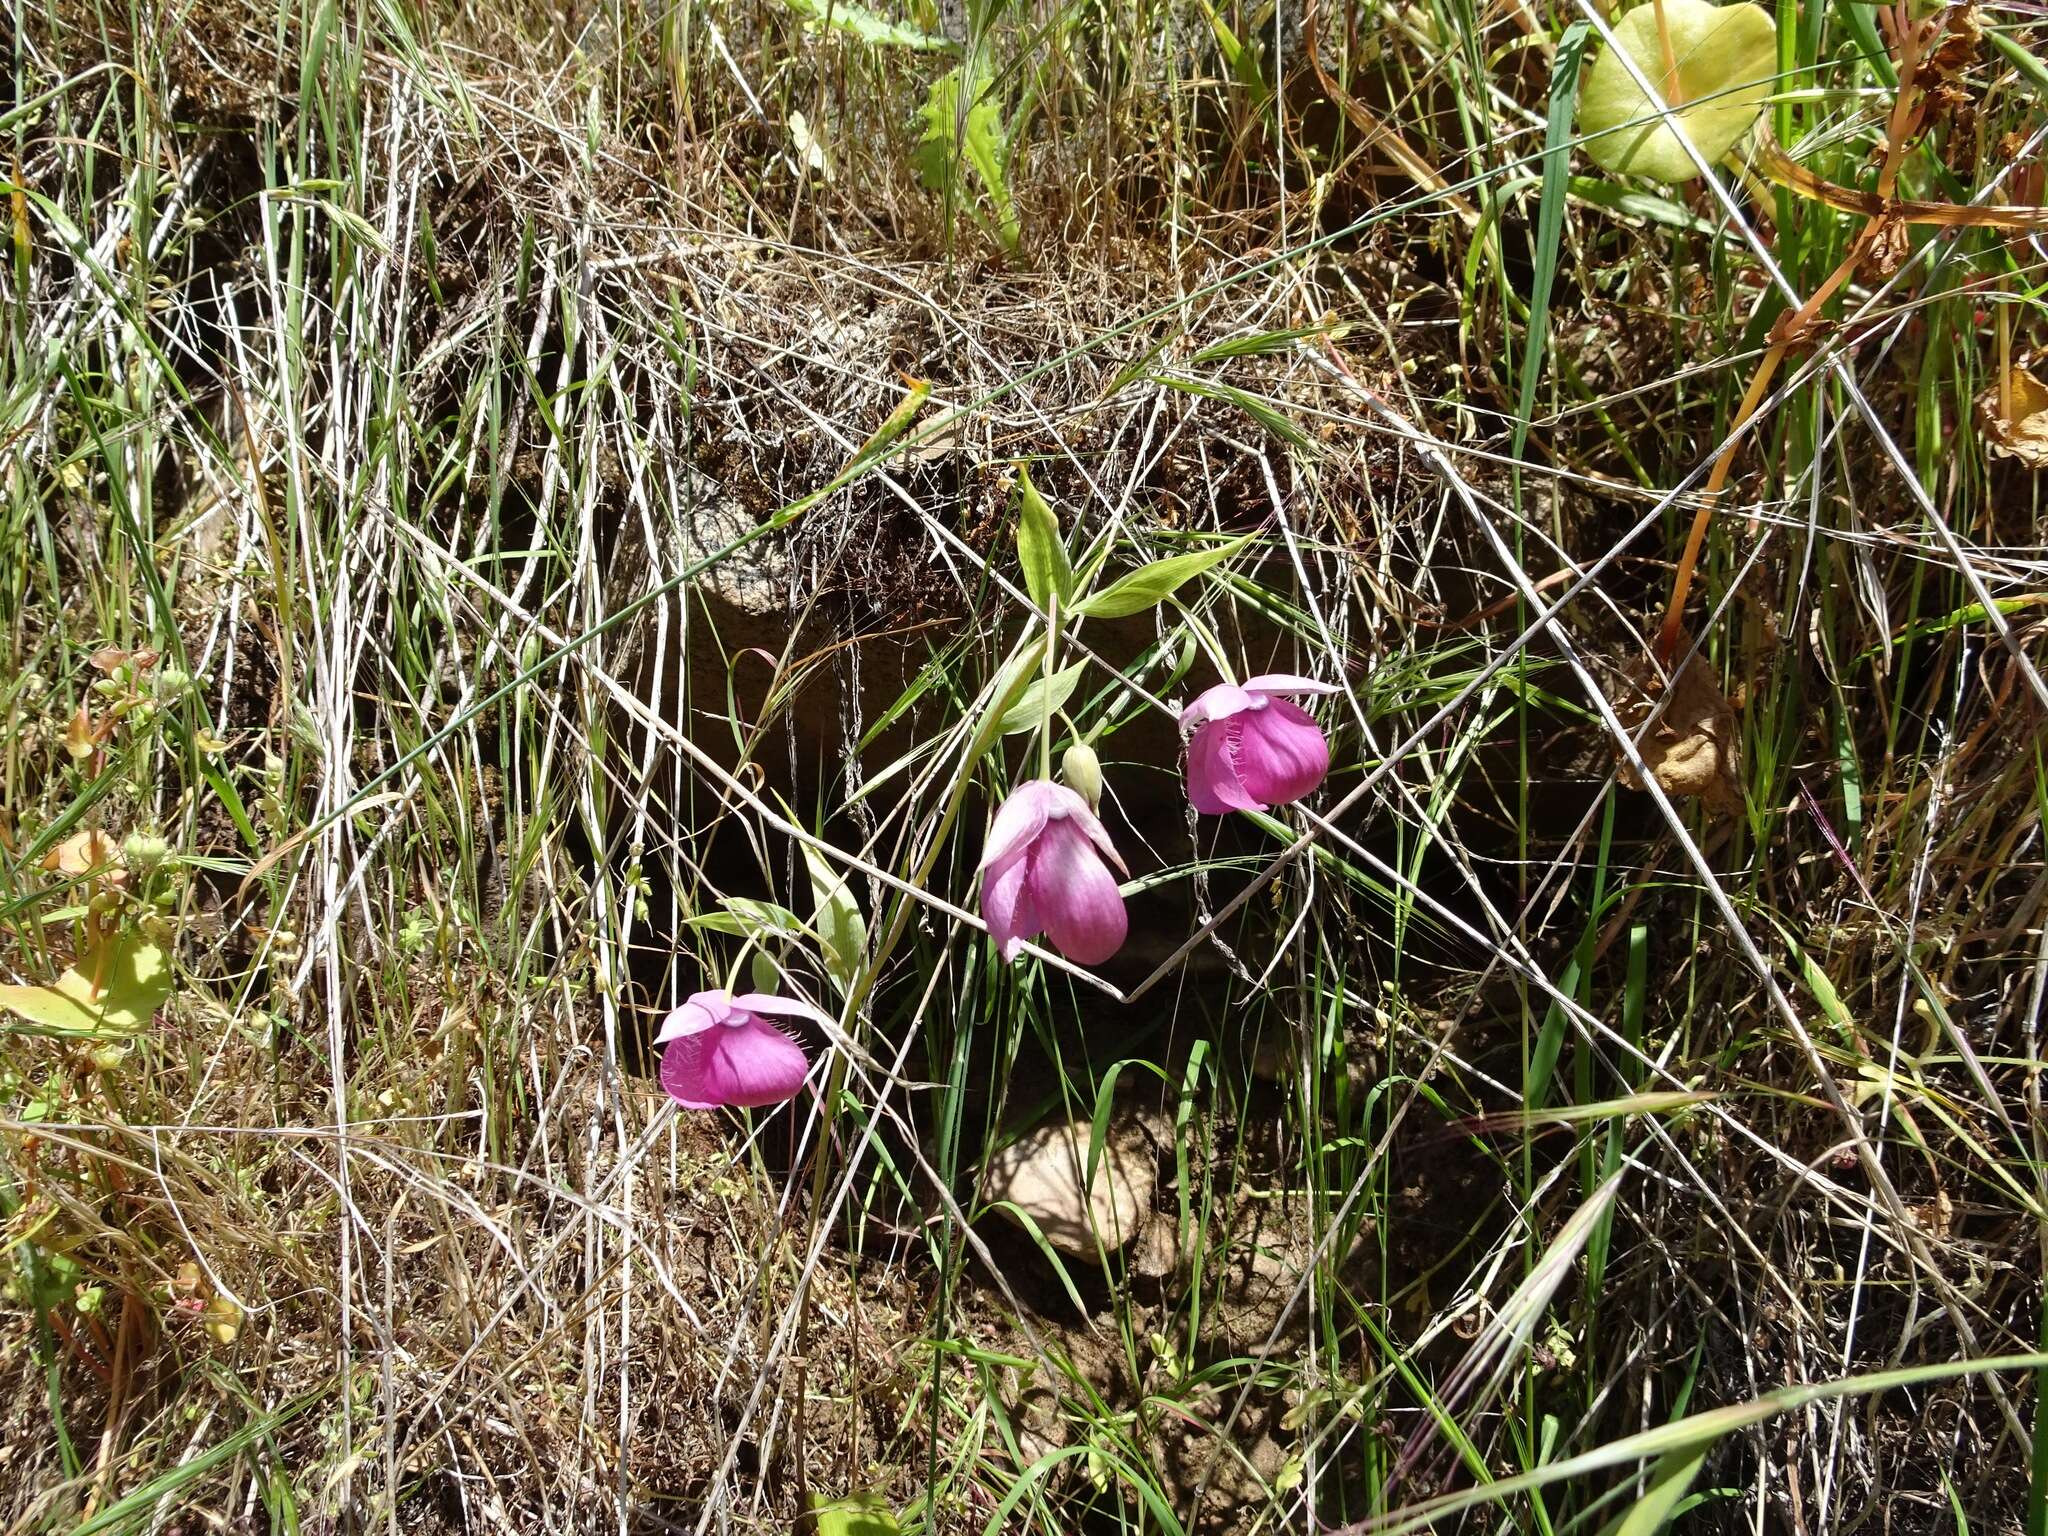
x=111, y=658
x=80, y=739
x=83, y=854
x=2020, y=429
x=1692, y=749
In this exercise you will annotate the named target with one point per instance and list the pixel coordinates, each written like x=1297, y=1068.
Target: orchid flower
x=1252, y=748
x=722, y=1051
x=1047, y=870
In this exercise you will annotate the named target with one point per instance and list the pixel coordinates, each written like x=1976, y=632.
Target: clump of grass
x=484, y=423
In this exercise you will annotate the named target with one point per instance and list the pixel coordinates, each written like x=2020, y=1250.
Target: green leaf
x=744, y=918
x=841, y=928
x=114, y=989
x=858, y=1514
x=134, y=1506
x=1039, y=700
x=1727, y=59
x=1267, y=343
x=1564, y=95
x=1150, y=585
x=974, y=136
x=1669, y=1481
x=1259, y=410
x=1047, y=572
x=1242, y=63
x=1822, y=988
x=1633, y=204
x=859, y=22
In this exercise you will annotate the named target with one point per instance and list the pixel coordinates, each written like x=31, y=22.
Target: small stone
x=1158, y=1252
x=1692, y=749
x=1044, y=1175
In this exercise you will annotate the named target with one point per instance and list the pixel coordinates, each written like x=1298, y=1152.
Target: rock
x=751, y=584
x=1694, y=748
x=1158, y=1252
x=1041, y=1428
x=1044, y=1175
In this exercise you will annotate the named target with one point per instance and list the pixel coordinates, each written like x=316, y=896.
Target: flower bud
x=143, y=850
x=1081, y=769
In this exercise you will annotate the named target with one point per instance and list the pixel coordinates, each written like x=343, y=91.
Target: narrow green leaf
x=1150, y=585
x=1631, y=204
x=1669, y=1481
x=1549, y=1043
x=1858, y=18
x=1692, y=1432
x=1656, y=1103
x=135, y=1505
x=744, y=917
x=1047, y=571
x=1266, y=343
x=1259, y=410
x=841, y=928
x=1038, y=701
x=1822, y=989
x=1564, y=100
x=1242, y=62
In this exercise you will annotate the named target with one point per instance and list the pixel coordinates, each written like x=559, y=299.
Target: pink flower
x=721, y=1051
x=1046, y=870
x=1252, y=748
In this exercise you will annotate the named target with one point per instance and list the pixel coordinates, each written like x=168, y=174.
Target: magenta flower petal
x=785, y=1007
x=1020, y=819
x=1096, y=832
x=695, y=1016
x=1215, y=786
x=1281, y=753
x=1083, y=909
x=749, y=1066
x=1286, y=682
x=1047, y=869
x=1251, y=747
x=1009, y=906
x=1218, y=703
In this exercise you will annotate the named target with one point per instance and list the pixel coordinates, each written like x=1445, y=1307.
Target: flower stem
x=1673, y=89
x=1785, y=333
x=1211, y=647
x=1052, y=646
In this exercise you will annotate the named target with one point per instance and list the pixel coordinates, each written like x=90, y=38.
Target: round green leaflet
x=1727, y=58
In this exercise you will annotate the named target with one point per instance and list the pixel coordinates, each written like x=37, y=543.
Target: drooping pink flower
x=1252, y=748
x=1046, y=870
x=723, y=1052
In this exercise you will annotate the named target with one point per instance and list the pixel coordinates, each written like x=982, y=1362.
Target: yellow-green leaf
x=857, y=1514
x=114, y=989
x=1727, y=63
x=1047, y=572
x=870, y=27
x=1037, y=702
x=837, y=918
x=1150, y=585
